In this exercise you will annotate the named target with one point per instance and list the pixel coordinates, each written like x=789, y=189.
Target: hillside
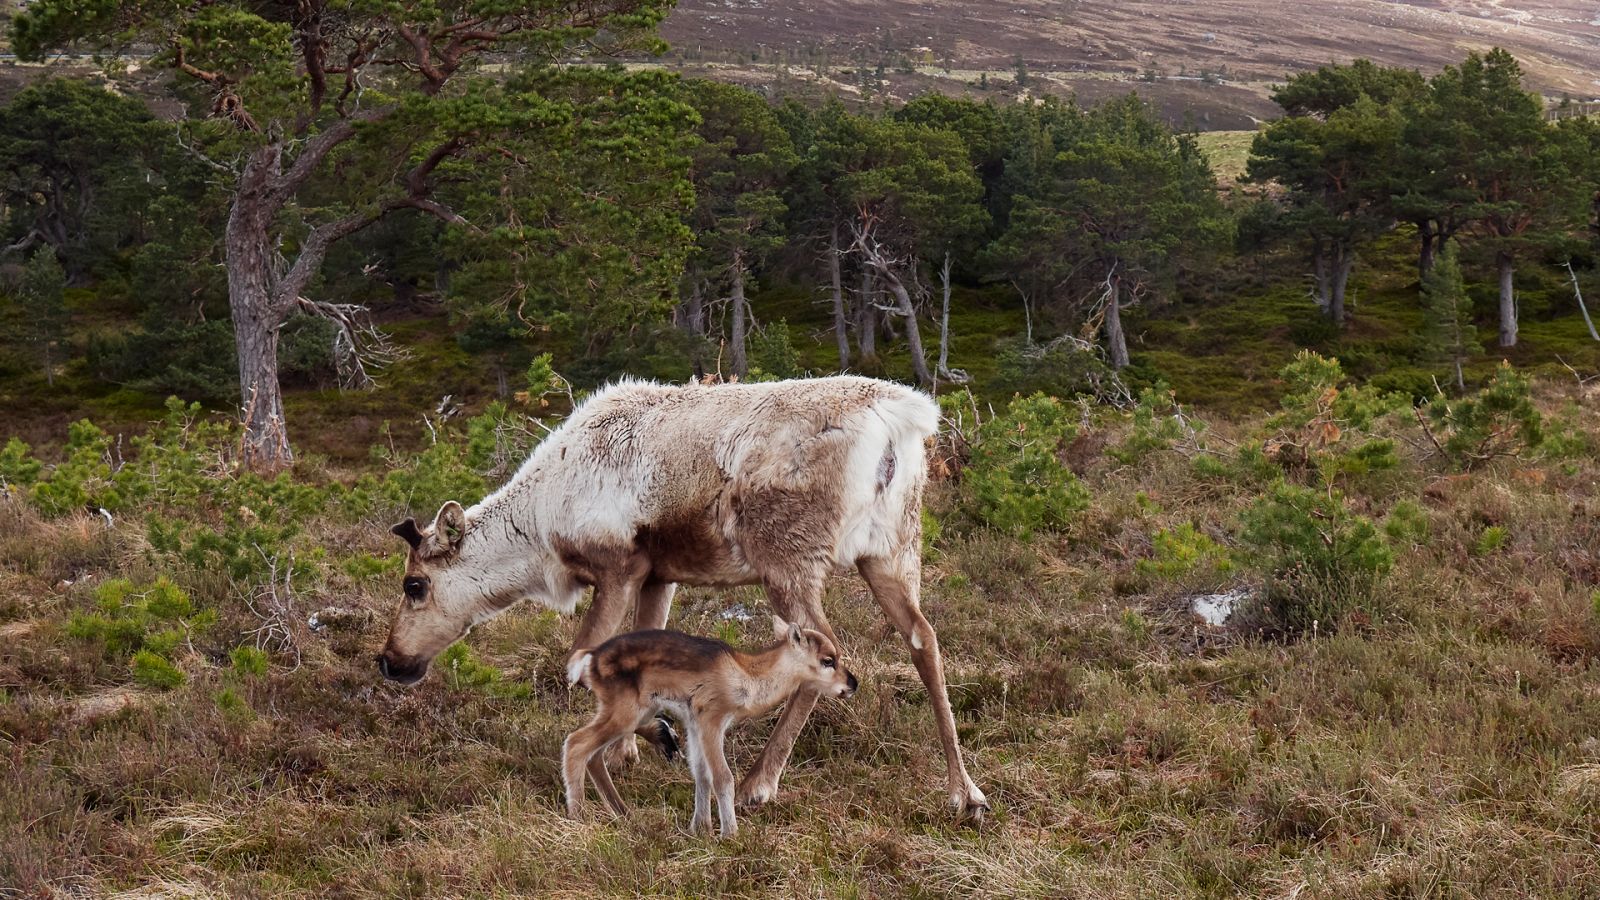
x=1214, y=61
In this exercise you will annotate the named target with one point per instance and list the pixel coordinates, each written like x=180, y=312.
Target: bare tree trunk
x=841, y=330
x=867, y=319
x=1578, y=293
x=1027, y=313
x=1508, y=299
x=919, y=363
x=441, y=279
x=1116, y=340
x=736, y=354
x=1344, y=259
x=1430, y=242
x=694, y=309
x=264, y=446
x=944, y=317
x=1320, y=267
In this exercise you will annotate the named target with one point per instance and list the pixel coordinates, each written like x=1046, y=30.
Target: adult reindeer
x=647, y=486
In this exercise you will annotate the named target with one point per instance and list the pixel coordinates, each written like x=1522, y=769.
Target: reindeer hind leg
x=896, y=584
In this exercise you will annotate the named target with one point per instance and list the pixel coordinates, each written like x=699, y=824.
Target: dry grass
x=1451, y=749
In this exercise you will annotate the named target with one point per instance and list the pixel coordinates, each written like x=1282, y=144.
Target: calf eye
x=829, y=662
x=416, y=588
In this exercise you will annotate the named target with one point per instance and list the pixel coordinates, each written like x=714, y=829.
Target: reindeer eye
x=416, y=588
x=829, y=662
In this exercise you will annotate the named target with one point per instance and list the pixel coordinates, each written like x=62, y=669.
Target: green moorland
x=1403, y=705
x=1400, y=520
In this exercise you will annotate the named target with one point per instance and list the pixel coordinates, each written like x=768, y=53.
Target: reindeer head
x=810, y=658
x=439, y=606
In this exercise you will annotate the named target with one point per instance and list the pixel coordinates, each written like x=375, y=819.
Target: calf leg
x=716, y=757
x=799, y=602
x=603, y=784
x=698, y=766
x=897, y=585
x=579, y=749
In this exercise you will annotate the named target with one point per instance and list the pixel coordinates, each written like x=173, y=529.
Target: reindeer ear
x=796, y=636
x=450, y=526
x=780, y=628
x=408, y=530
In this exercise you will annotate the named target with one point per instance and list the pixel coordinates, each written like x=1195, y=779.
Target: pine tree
x=325, y=117
x=1447, y=314
x=41, y=295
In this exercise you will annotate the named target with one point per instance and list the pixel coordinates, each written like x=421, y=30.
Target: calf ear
x=408, y=530
x=796, y=636
x=780, y=628
x=450, y=526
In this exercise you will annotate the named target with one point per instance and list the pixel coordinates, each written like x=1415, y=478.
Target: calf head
x=810, y=658
x=437, y=607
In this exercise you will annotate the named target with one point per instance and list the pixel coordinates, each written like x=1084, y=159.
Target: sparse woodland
x=360, y=258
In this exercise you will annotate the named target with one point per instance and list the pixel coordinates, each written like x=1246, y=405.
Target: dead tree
x=887, y=268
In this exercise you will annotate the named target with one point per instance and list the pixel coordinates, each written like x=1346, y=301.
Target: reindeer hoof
x=971, y=808
x=753, y=795
x=667, y=740
x=623, y=753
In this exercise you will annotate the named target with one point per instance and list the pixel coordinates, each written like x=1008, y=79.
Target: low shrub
x=462, y=671
x=1500, y=420
x=1016, y=479
x=1185, y=552
x=1491, y=540
x=1407, y=523
x=151, y=669
x=130, y=618
x=249, y=661
x=1322, y=562
x=1324, y=431
x=1156, y=422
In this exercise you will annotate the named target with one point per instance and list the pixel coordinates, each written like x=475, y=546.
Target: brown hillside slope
x=1174, y=51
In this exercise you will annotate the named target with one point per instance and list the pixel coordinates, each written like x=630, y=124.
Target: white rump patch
x=579, y=667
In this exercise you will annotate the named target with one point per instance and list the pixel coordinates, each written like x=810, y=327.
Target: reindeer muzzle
x=404, y=672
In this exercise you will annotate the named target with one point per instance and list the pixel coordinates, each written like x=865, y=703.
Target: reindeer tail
x=578, y=668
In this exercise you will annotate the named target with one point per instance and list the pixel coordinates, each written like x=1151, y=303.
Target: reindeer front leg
x=619, y=578
x=799, y=601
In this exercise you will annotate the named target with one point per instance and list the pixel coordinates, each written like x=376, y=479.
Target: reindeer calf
x=707, y=686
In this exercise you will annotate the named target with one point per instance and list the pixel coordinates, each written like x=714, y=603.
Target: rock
x=1214, y=609
x=339, y=618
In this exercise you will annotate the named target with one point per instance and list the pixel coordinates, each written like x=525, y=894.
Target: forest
x=1262, y=526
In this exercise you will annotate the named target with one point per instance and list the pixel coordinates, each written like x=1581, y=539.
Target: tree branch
x=358, y=346
x=318, y=148
x=424, y=47
x=315, y=247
